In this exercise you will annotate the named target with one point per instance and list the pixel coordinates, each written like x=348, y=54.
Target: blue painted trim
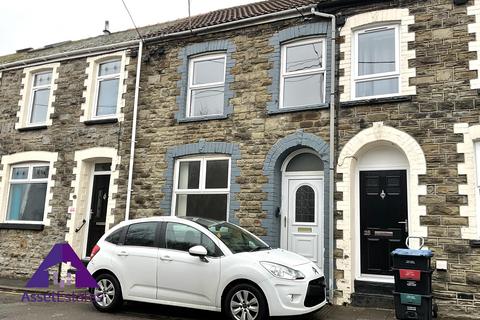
x=272, y=169
x=203, y=148
x=315, y=29
x=184, y=55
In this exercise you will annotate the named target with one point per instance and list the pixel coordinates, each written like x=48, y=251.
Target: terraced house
x=336, y=143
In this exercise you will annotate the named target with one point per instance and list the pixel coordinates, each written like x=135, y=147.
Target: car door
x=136, y=259
x=183, y=278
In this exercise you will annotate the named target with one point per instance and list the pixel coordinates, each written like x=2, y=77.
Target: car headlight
x=282, y=272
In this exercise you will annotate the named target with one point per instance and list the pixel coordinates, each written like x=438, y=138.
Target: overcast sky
x=34, y=23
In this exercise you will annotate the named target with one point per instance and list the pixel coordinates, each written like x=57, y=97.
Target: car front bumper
x=295, y=297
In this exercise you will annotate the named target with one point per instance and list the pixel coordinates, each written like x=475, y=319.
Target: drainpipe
x=331, y=284
x=134, y=131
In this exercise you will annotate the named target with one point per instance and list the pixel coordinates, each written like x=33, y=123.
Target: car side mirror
x=199, y=251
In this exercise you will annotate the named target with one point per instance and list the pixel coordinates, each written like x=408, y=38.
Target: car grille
x=315, y=292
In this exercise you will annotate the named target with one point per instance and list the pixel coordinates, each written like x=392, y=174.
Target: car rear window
x=141, y=234
x=115, y=236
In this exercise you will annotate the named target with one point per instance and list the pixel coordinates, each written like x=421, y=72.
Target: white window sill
x=33, y=127
x=100, y=121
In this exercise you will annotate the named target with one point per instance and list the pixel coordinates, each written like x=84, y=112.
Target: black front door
x=98, y=210
x=383, y=218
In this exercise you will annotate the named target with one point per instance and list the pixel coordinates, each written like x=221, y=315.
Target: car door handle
x=166, y=258
x=122, y=253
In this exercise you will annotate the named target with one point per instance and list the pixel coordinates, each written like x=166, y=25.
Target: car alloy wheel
x=244, y=305
x=105, y=293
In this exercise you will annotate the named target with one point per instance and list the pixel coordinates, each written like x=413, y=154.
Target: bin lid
x=412, y=252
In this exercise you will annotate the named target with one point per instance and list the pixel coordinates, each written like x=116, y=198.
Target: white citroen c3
x=203, y=264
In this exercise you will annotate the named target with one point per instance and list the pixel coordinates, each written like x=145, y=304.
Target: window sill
x=32, y=128
x=355, y=103
x=206, y=118
x=298, y=109
x=475, y=243
x=100, y=121
x=22, y=226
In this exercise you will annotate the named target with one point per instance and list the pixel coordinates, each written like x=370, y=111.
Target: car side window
x=182, y=237
x=115, y=236
x=141, y=234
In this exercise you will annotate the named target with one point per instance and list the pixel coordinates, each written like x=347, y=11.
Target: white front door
x=302, y=228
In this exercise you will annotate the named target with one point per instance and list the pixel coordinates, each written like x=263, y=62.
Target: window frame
x=98, y=80
x=33, y=90
x=29, y=179
x=377, y=76
x=201, y=181
x=284, y=74
x=191, y=87
x=476, y=150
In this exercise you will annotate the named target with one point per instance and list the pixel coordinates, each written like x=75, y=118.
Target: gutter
x=80, y=53
x=134, y=131
x=331, y=226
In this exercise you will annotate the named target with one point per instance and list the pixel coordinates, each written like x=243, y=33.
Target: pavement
x=12, y=308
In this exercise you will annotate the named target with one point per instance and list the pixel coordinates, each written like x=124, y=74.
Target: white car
x=203, y=264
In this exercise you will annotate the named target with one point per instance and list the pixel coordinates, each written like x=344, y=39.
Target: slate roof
x=212, y=18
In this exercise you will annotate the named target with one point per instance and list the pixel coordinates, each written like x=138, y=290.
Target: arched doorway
x=381, y=209
x=302, y=213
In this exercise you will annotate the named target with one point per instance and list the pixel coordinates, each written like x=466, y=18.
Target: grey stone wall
x=21, y=251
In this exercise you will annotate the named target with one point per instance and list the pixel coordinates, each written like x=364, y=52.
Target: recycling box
x=413, y=281
x=413, y=306
x=412, y=259
x=413, y=284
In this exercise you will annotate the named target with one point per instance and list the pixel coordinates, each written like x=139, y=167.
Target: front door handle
x=122, y=253
x=405, y=223
x=166, y=258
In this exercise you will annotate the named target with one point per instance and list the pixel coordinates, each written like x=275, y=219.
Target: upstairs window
x=27, y=192
x=40, y=97
x=108, y=82
x=376, y=62
x=302, y=74
x=202, y=187
x=206, y=86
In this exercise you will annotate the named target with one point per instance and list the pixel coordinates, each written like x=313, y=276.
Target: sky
x=34, y=23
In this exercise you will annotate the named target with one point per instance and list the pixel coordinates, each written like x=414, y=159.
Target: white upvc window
x=27, y=192
x=477, y=183
x=39, y=98
x=376, y=67
x=206, y=85
x=107, y=89
x=302, y=73
x=202, y=187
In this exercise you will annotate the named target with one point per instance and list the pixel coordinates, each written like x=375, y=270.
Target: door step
x=373, y=295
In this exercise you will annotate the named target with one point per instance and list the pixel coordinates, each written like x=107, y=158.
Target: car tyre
x=245, y=301
x=108, y=294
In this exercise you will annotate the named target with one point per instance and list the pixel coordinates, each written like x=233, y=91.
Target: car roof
x=205, y=222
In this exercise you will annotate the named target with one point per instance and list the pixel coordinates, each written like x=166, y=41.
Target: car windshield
x=235, y=238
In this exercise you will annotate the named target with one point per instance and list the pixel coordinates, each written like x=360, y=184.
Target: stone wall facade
x=21, y=251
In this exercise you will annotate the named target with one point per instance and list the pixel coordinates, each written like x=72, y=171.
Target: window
x=40, y=95
x=27, y=192
x=37, y=96
x=115, y=236
x=202, y=187
x=141, y=234
x=376, y=62
x=108, y=81
x=206, y=86
x=105, y=88
x=182, y=237
x=303, y=74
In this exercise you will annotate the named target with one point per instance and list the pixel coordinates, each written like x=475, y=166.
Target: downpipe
x=134, y=131
x=331, y=283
